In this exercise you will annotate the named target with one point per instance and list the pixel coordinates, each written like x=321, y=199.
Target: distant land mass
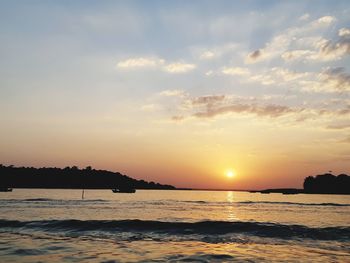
x=327, y=184
x=89, y=178
x=320, y=184
x=70, y=178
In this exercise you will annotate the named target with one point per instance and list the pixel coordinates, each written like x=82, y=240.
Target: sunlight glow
x=230, y=173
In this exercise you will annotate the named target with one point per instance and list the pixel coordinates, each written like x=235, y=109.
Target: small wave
x=292, y=203
x=185, y=228
x=265, y=202
x=47, y=200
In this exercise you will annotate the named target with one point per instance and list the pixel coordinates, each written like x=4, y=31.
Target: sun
x=230, y=173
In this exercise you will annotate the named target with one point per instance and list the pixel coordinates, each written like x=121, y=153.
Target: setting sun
x=230, y=173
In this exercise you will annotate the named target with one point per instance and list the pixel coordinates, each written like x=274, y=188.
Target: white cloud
x=344, y=32
x=304, y=17
x=236, y=71
x=287, y=41
x=287, y=75
x=295, y=54
x=179, y=67
x=329, y=81
x=140, y=62
x=144, y=62
x=333, y=50
x=172, y=93
x=207, y=55
x=209, y=73
x=277, y=76
x=211, y=106
x=326, y=20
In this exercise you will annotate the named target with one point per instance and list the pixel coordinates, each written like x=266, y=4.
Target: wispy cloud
x=208, y=100
x=207, y=55
x=214, y=52
x=294, y=43
x=334, y=50
x=179, y=67
x=140, y=62
x=236, y=71
x=145, y=62
x=344, y=32
x=339, y=126
x=173, y=93
x=329, y=81
x=211, y=106
x=259, y=110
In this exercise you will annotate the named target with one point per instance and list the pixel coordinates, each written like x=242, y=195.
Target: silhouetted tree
x=88, y=178
x=327, y=184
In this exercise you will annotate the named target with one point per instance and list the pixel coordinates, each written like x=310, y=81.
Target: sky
x=178, y=92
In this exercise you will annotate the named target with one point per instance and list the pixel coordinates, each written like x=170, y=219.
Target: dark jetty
x=70, y=178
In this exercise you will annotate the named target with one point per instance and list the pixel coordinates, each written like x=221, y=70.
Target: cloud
x=295, y=54
x=172, y=93
x=276, y=76
x=318, y=48
x=207, y=55
x=208, y=100
x=326, y=20
x=290, y=40
x=330, y=50
x=177, y=118
x=272, y=110
x=304, y=17
x=236, y=71
x=345, y=140
x=254, y=56
x=344, y=32
x=266, y=106
x=329, y=81
x=140, y=62
x=144, y=62
x=339, y=126
x=179, y=67
x=211, y=106
x=287, y=75
x=209, y=73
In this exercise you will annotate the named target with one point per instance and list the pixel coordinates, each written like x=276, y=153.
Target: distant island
x=320, y=184
x=70, y=178
x=89, y=178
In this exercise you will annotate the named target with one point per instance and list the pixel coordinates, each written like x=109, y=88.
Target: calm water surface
x=201, y=226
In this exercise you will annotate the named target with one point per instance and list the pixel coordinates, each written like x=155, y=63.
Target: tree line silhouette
x=89, y=178
x=327, y=184
x=70, y=178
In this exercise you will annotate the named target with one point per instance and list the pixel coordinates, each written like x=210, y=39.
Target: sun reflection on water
x=231, y=216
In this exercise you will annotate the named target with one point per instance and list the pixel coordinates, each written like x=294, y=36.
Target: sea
x=172, y=226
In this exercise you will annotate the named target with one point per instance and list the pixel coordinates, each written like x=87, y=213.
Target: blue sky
x=73, y=72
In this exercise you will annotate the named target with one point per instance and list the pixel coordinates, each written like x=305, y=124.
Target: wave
x=293, y=203
x=35, y=200
x=272, y=230
x=267, y=202
x=166, y=202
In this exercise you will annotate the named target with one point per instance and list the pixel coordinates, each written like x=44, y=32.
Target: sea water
x=191, y=226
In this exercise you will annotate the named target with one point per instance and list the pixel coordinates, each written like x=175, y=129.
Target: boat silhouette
x=124, y=190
